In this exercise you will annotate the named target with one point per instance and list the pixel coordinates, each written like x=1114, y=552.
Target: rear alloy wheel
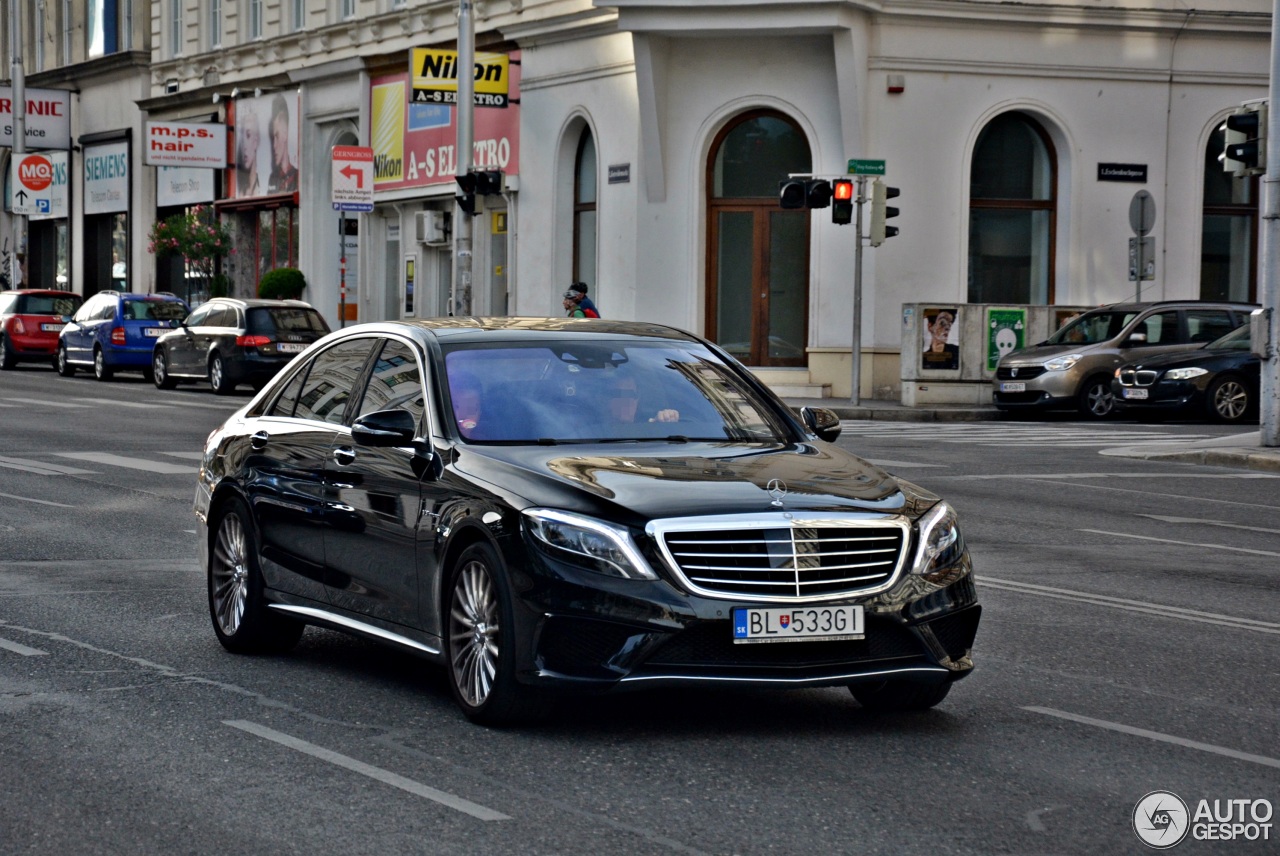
x=899, y=696
x=242, y=620
x=160, y=370
x=7, y=360
x=1228, y=399
x=1096, y=400
x=100, y=370
x=61, y=363
x=480, y=642
x=218, y=380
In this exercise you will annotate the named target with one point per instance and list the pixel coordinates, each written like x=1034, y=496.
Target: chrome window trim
x=658, y=529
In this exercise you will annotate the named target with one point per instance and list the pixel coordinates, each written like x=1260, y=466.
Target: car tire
x=480, y=643
x=218, y=380
x=100, y=370
x=242, y=619
x=7, y=360
x=160, y=370
x=899, y=696
x=1228, y=399
x=1095, y=400
x=60, y=362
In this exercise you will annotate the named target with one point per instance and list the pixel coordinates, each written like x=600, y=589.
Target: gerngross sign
x=48, y=118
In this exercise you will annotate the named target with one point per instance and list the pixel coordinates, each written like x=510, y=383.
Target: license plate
x=1136, y=393
x=1013, y=387
x=796, y=623
x=153, y=332
x=51, y=328
x=291, y=348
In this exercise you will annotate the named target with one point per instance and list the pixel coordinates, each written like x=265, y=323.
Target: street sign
x=1142, y=213
x=31, y=177
x=866, y=167
x=352, y=178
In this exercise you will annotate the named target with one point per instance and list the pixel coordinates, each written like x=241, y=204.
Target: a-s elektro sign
x=201, y=144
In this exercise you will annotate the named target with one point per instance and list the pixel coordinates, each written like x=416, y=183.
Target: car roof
x=52, y=292
x=479, y=329
x=251, y=302
x=1189, y=304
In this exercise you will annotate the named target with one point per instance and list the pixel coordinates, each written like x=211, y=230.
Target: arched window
x=1229, y=236
x=758, y=253
x=584, y=212
x=1012, y=204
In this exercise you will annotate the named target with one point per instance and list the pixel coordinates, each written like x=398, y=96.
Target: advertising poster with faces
x=941, y=339
x=1006, y=333
x=266, y=146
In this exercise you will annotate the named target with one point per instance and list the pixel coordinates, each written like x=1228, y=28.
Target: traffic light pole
x=460, y=299
x=17, y=276
x=856, y=354
x=1269, y=251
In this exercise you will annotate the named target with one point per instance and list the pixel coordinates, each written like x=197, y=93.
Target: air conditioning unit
x=432, y=227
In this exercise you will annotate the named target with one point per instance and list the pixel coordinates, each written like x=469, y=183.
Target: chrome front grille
x=1018, y=372
x=1139, y=377
x=784, y=557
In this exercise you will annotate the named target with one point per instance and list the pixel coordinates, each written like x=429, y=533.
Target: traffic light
x=488, y=181
x=1244, y=150
x=466, y=194
x=804, y=193
x=842, y=202
x=881, y=212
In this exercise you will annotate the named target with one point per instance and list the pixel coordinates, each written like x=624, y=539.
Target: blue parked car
x=116, y=331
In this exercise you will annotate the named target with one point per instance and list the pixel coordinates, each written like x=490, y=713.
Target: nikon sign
x=433, y=77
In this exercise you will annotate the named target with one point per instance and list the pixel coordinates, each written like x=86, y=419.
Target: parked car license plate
x=51, y=328
x=1136, y=393
x=153, y=332
x=291, y=347
x=1013, y=387
x=796, y=623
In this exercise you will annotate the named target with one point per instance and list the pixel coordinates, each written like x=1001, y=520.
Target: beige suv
x=1073, y=367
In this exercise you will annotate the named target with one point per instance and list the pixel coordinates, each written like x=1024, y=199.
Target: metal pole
x=1269, y=249
x=856, y=353
x=19, y=222
x=342, y=268
x=465, y=110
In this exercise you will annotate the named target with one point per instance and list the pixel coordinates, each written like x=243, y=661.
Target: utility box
x=949, y=351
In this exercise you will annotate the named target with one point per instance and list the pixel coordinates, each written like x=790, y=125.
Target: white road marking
x=225, y=408
x=1156, y=735
x=42, y=468
x=40, y=501
x=137, y=404
x=418, y=789
x=48, y=403
x=893, y=465
x=126, y=462
x=189, y=456
x=22, y=649
x=1144, y=607
x=1199, y=522
x=1182, y=543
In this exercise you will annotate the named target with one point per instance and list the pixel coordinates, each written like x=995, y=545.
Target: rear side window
x=285, y=319
x=1206, y=325
x=1161, y=328
x=331, y=381
x=153, y=310
x=223, y=316
x=46, y=304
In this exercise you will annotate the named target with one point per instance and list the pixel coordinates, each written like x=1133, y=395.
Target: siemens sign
x=106, y=178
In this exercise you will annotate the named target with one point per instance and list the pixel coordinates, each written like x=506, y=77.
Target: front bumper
x=587, y=632
x=1050, y=389
x=1164, y=396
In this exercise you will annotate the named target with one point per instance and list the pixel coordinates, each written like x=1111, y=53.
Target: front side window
x=396, y=382
x=331, y=380
x=1012, y=188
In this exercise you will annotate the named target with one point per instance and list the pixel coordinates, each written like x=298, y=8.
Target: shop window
x=584, y=212
x=1229, y=232
x=1012, y=213
x=276, y=240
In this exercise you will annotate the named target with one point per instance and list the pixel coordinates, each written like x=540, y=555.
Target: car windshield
x=48, y=304
x=286, y=319
x=154, y=310
x=1092, y=328
x=602, y=389
x=1237, y=340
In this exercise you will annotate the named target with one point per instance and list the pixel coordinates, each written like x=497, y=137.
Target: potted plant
x=282, y=284
x=198, y=237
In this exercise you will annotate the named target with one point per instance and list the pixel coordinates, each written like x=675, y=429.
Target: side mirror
x=822, y=422
x=1135, y=339
x=385, y=428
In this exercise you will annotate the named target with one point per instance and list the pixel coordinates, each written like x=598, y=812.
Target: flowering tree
x=198, y=236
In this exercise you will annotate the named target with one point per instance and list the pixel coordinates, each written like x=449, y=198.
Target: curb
x=1262, y=461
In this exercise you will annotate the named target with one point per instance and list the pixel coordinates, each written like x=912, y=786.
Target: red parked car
x=30, y=320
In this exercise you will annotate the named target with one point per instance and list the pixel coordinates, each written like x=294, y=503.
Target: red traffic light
x=843, y=191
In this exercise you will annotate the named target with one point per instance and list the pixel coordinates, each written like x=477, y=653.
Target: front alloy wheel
x=1096, y=400
x=160, y=370
x=1228, y=399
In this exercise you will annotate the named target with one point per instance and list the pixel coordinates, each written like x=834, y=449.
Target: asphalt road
x=1130, y=643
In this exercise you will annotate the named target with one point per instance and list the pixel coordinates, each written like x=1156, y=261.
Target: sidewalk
x=1243, y=451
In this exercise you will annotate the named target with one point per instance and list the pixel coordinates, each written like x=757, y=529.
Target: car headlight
x=940, y=541
x=1185, y=374
x=590, y=543
x=1061, y=364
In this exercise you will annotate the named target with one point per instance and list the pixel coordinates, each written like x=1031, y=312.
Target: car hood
x=1037, y=354
x=654, y=480
x=1198, y=357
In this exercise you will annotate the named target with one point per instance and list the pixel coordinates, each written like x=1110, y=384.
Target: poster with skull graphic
x=1006, y=333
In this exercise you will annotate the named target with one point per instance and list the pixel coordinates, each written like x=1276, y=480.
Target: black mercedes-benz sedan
x=553, y=505
x=1220, y=380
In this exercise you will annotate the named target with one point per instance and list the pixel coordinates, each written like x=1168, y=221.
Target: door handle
x=344, y=456
x=259, y=440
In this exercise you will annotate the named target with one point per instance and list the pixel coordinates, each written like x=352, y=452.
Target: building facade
x=644, y=144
